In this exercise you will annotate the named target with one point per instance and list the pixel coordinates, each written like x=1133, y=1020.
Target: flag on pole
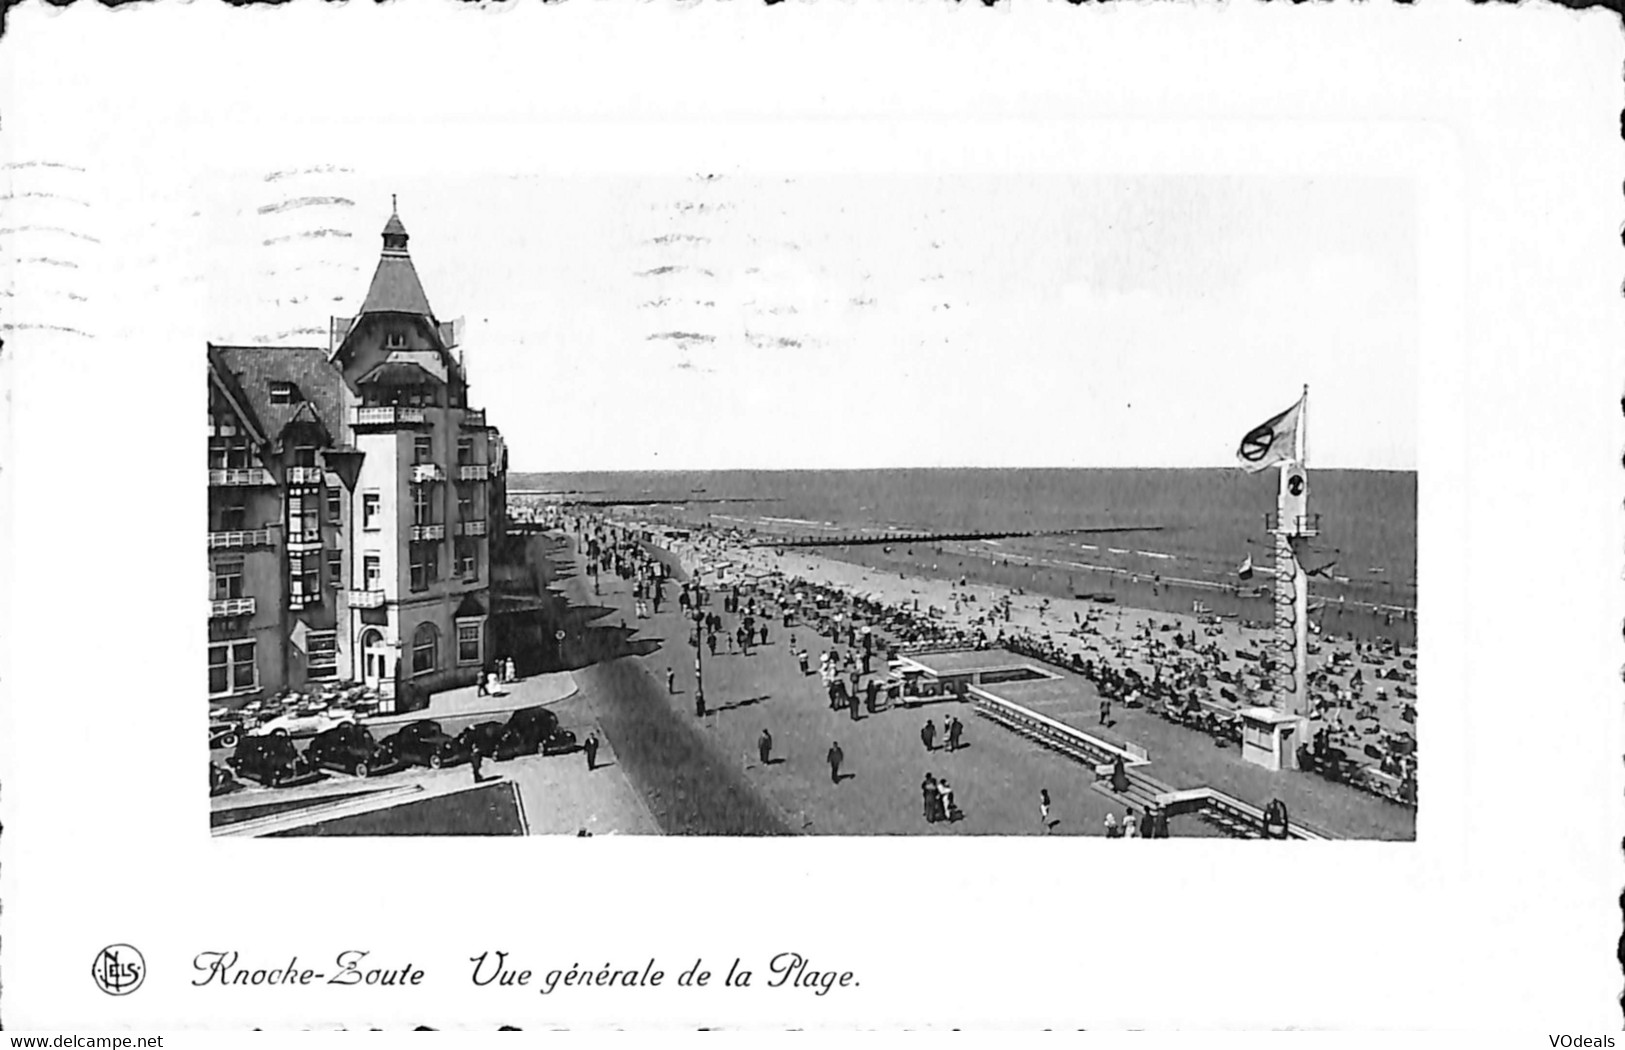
x=1246, y=570
x=1271, y=442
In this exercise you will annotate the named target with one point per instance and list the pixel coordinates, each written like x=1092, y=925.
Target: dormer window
x=395, y=340
x=284, y=393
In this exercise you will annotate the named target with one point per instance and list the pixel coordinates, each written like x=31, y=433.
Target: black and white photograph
x=1119, y=612
x=721, y=517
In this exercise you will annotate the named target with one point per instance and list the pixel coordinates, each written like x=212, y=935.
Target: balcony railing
x=241, y=476
x=245, y=538
x=474, y=418
x=366, y=599
x=386, y=416
x=428, y=532
x=474, y=472
x=305, y=475
x=422, y=473
x=471, y=528
x=231, y=607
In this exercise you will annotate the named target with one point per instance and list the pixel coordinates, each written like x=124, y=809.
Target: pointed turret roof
x=395, y=286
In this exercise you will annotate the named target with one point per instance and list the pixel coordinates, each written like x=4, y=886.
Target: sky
x=817, y=320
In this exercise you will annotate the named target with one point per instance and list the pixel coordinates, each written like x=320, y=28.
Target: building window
x=371, y=510
x=322, y=654
x=232, y=669
x=420, y=567
x=425, y=643
x=304, y=456
x=233, y=512
x=465, y=504
x=229, y=454
x=303, y=527
x=335, y=569
x=284, y=393
x=228, y=579
x=467, y=566
x=335, y=507
x=422, y=448
x=304, y=579
x=395, y=340
x=372, y=572
x=465, y=451
x=469, y=649
x=420, y=505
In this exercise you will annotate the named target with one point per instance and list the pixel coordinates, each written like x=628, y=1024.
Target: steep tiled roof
x=255, y=368
x=223, y=373
x=396, y=289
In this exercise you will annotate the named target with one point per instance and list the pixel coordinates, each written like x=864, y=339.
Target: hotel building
x=353, y=495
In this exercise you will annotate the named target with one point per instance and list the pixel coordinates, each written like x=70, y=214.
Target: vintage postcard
x=728, y=517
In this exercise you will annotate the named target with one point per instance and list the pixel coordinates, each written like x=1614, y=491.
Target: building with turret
x=354, y=492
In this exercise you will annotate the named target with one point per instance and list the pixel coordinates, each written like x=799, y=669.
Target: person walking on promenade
x=764, y=634
x=764, y=746
x=1161, y=823
x=956, y=734
x=1105, y=711
x=1148, y=825
x=480, y=687
x=711, y=643
x=1131, y=826
x=928, y=735
x=474, y=759
x=1043, y=809
x=1112, y=830
x=870, y=692
x=944, y=733
x=1119, y=775
x=699, y=704
x=852, y=705
x=513, y=674
x=591, y=748
x=671, y=681
x=928, y=789
x=949, y=813
x=835, y=757
x=802, y=656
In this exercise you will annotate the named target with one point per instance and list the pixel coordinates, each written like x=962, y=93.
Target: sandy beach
x=1370, y=707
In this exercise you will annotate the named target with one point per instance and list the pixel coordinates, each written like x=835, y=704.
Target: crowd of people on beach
x=1175, y=671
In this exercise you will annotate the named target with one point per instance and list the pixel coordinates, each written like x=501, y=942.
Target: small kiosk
x=1270, y=738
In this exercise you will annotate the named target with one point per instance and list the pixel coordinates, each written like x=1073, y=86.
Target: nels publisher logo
x=118, y=969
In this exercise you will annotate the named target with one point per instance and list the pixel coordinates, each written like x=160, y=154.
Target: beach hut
x=1270, y=738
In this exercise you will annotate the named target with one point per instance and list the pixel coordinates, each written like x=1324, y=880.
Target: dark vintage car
x=539, y=729
x=224, y=734
x=422, y=743
x=271, y=760
x=495, y=740
x=349, y=747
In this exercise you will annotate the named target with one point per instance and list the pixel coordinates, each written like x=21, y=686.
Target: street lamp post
x=699, y=648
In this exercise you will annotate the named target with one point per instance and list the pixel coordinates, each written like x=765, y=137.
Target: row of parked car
x=274, y=760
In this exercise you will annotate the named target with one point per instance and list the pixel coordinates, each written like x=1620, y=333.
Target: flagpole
x=1300, y=577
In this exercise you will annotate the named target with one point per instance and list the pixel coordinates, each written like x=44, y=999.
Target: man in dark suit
x=835, y=757
x=764, y=746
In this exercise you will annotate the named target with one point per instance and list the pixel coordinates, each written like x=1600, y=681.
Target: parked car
x=423, y=743
x=349, y=747
x=539, y=729
x=495, y=740
x=224, y=734
x=271, y=760
x=295, y=724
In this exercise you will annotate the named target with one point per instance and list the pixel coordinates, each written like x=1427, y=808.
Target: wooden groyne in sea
x=892, y=538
